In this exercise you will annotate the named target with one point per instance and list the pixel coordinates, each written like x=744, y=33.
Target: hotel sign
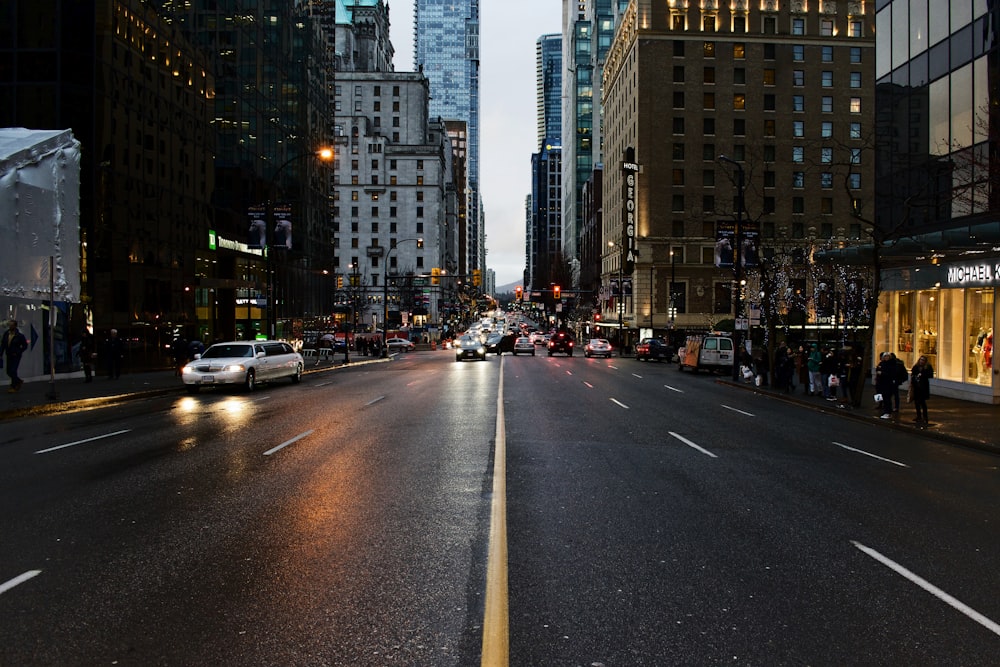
x=973, y=275
x=630, y=170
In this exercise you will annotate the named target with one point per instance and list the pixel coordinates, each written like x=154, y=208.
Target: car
x=537, y=338
x=493, y=342
x=245, y=363
x=653, y=348
x=597, y=347
x=400, y=344
x=524, y=344
x=560, y=341
x=468, y=347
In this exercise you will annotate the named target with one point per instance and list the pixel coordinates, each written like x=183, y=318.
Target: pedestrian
x=827, y=370
x=13, y=344
x=114, y=352
x=178, y=350
x=802, y=368
x=195, y=347
x=88, y=355
x=885, y=380
x=813, y=362
x=784, y=369
x=899, y=378
x=920, y=388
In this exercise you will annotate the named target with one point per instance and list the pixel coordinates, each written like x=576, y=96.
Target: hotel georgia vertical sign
x=630, y=177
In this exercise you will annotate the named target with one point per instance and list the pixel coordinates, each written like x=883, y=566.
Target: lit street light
x=385, y=295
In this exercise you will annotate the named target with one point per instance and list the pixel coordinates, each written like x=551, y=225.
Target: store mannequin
x=988, y=350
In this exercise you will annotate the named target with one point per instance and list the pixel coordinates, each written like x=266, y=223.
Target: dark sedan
x=656, y=349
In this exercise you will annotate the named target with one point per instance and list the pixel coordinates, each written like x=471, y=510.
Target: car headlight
x=234, y=368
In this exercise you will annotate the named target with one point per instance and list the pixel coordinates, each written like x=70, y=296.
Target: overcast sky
x=508, y=130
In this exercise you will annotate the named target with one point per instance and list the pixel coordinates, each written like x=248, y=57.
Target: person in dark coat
x=12, y=345
x=920, y=387
x=88, y=354
x=114, y=350
x=885, y=382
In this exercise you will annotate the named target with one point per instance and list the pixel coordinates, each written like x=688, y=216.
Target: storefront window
x=979, y=308
x=952, y=350
x=904, y=326
x=927, y=328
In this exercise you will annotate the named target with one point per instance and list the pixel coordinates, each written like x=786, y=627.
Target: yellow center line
x=496, y=645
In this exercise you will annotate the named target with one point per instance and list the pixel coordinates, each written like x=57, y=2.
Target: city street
x=654, y=517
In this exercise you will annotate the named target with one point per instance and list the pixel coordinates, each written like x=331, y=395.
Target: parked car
x=400, y=344
x=656, y=349
x=245, y=363
x=561, y=341
x=469, y=347
x=597, y=347
x=524, y=345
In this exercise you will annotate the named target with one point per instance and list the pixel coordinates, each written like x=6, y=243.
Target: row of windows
x=769, y=25
x=739, y=53
x=768, y=204
x=375, y=212
x=358, y=91
x=393, y=164
x=679, y=127
x=708, y=102
x=768, y=153
x=798, y=180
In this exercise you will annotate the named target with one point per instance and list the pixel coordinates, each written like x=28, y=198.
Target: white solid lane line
x=861, y=451
x=80, y=442
x=691, y=444
x=619, y=403
x=7, y=585
x=742, y=412
x=287, y=442
x=990, y=625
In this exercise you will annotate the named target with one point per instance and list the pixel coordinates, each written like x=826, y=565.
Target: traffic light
x=597, y=317
x=477, y=277
x=556, y=292
x=436, y=276
x=340, y=282
x=518, y=292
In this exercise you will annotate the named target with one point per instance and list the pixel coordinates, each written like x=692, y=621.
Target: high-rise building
x=936, y=99
x=548, y=87
x=734, y=130
x=446, y=41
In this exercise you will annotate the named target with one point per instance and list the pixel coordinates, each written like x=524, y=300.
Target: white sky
x=508, y=128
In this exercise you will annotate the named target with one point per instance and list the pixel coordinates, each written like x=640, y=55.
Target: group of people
x=891, y=373
x=184, y=351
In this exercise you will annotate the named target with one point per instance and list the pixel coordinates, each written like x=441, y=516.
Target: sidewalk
x=951, y=420
x=71, y=392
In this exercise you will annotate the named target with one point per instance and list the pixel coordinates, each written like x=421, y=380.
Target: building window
x=826, y=54
x=826, y=205
x=855, y=156
x=677, y=203
x=826, y=155
x=708, y=49
x=739, y=101
x=855, y=130
x=855, y=105
x=769, y=76
x=769, y=152
x=855, y=55
x=678, y=99
x=708, y=23
x=708, y=75
x=708, y=152
x=678, y=150
x=798, y=206
x=708, y=178
x=679, y=46
x=770, y=25
x=769, y=127
x=708, y=101
x=678, y=74
x=739, y=152
x=826, y=105
x=678, y=176
x=739, y=75
x=855, y=79
x=420, y=211
x=739, y=51
x=827, y=79
x=826, y=180
x=678, y=125
x=798, y=128
x=707, y=206
x=739, y=24
x=798, y=26
x=798, y=103
x=723, y=298
x=798, y=179
x=769, y=102
x=769, y=203
x=854, y=181
x=769, y=179
x=855, y=29
x=826, y=28
x=798, y=154
x=826, y=129
x=798, y=77
x=739, y=127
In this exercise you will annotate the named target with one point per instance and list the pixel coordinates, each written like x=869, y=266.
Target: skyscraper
x=446, y=41
x=548, y=84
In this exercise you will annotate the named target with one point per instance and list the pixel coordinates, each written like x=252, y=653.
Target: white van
x=711, y=352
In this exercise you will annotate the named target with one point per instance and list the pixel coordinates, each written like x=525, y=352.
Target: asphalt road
x=653, y=518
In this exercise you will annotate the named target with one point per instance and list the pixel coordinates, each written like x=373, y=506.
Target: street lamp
x=673, y=280
x=737, y=264
x=326, y=155
x=620, y=303
x=385, y=295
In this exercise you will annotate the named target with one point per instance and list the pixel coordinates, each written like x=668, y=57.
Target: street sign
x=742, y=324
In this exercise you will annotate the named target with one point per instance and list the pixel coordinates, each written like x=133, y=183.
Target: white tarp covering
x=39, y=215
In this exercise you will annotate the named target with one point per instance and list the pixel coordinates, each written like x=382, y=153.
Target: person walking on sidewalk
x=920, y=387
x=115, y=350
x=88, y=353
x=13, y=344
x=815, y=379
x=885, y=381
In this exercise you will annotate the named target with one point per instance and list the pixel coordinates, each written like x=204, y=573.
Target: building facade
x=698, y=97
x=937, y=89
